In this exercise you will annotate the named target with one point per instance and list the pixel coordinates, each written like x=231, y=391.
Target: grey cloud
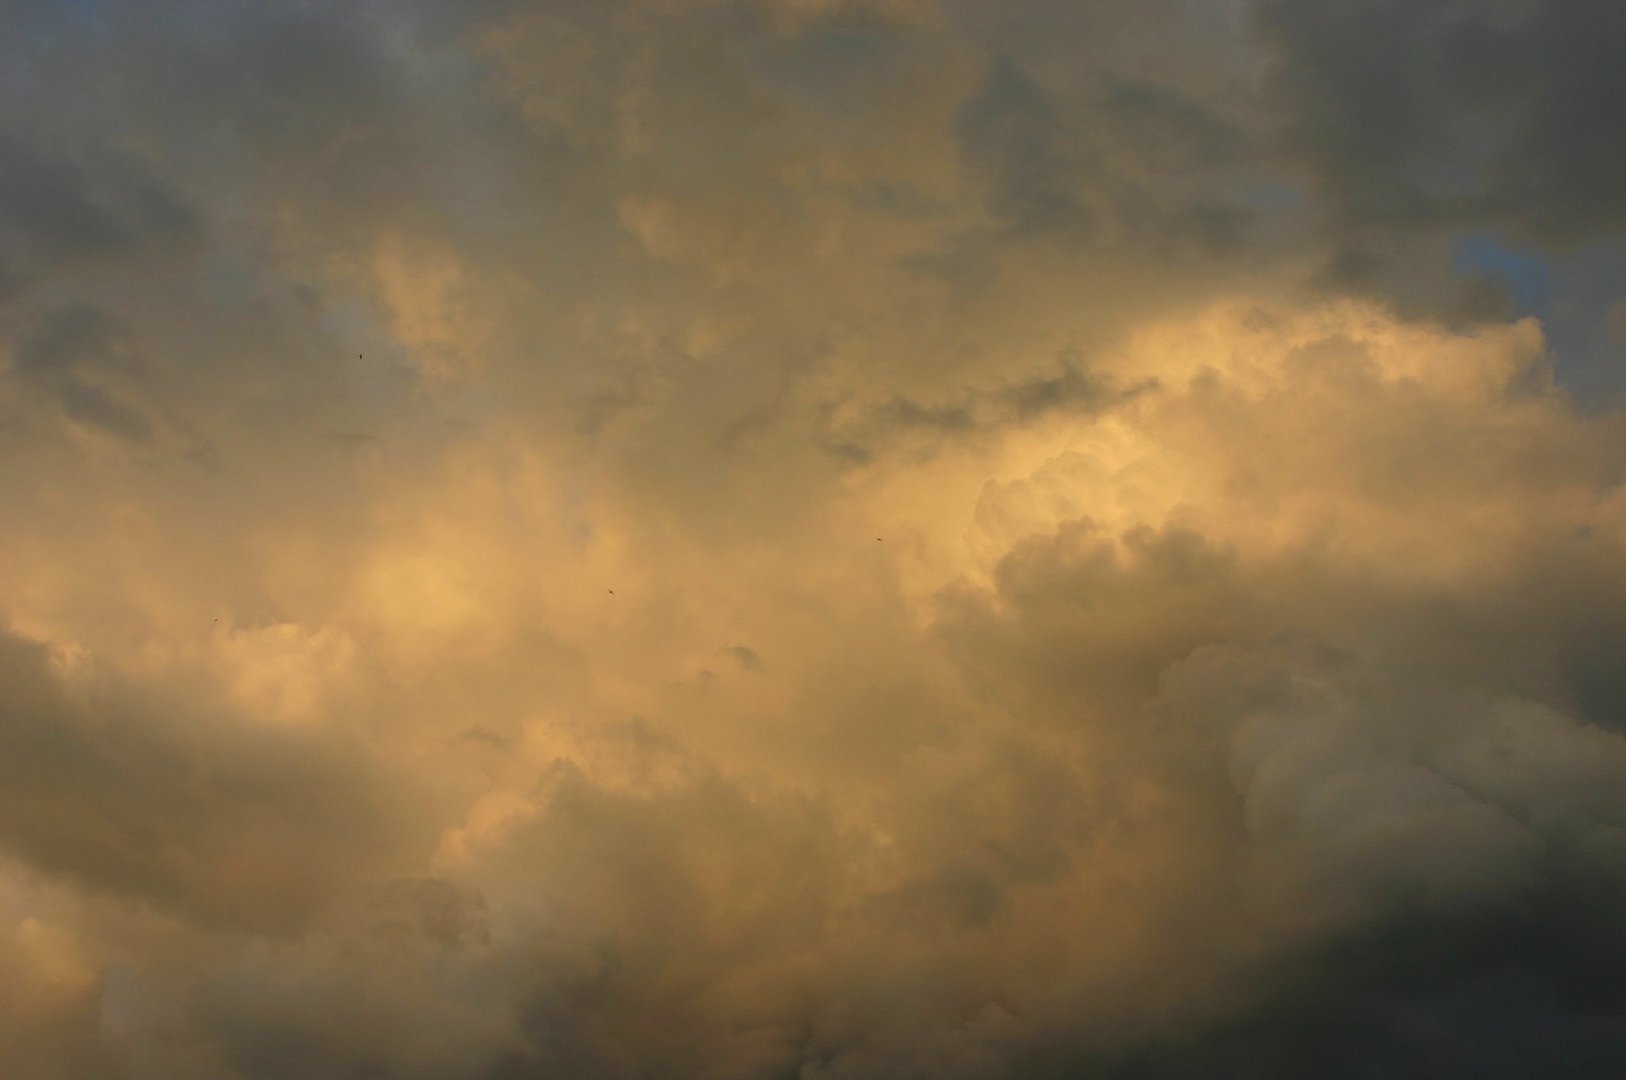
x=93, y=406
x=65, y=339
x=1171, y=130
x=1442, y=795
x=1417, y=123
x=70, y=355
x=54, y=210
x=1073, y=390
x=122, y=795
x=1013, y=136
x=1120, y=164
x=1502, y=993
x=748, y=658
x=1437, y=115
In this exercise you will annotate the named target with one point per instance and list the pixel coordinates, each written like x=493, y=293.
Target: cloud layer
x=835, y=540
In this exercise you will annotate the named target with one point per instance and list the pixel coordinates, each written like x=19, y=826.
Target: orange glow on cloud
x=828, y=539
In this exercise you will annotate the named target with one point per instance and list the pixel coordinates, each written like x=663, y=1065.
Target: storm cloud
x=832, y=539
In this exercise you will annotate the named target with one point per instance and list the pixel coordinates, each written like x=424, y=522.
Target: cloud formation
x=868, y=538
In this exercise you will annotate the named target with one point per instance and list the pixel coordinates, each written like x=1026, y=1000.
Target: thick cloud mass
x=819, y=539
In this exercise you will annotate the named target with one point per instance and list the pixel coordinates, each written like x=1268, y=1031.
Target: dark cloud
x=1419, y=124
x=124, y=795
x=77, y=356
x=1071, y=391
x=1484, y=899
x=1013, y=136
x=748, y=658
x=1119, y=165
x=1445, y=115
x=1497, y=994
x=56, y=211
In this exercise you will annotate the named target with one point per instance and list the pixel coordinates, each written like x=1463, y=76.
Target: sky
x=812, y=539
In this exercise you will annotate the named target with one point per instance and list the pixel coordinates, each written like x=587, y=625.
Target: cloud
x=56, y=211
x=241, y=827
x=445, y=633
x=1441, y=115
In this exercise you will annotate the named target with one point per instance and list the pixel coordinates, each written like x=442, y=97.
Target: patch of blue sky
x=1573, y=294
x=1526, y=277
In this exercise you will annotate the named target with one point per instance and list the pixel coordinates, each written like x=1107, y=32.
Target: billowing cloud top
x=818, y=539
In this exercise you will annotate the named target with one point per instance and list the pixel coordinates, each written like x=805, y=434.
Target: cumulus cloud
x=835, y=540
